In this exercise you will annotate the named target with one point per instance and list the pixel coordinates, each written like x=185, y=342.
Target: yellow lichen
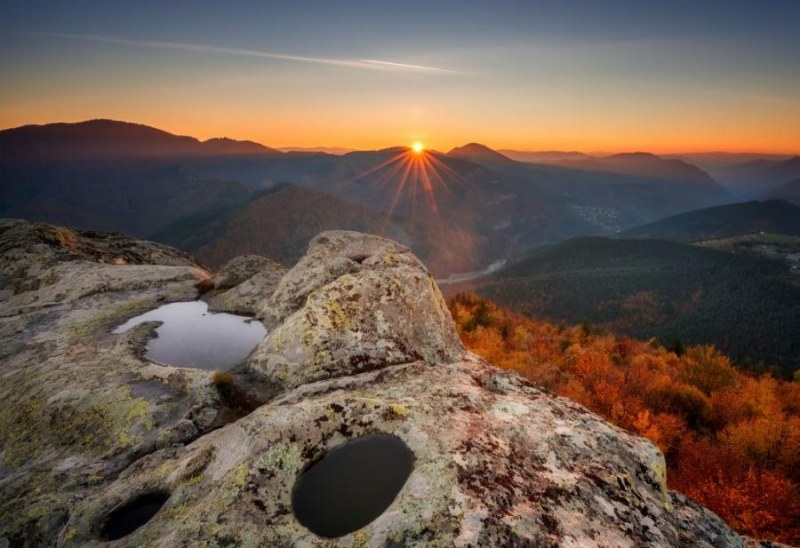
x=390, y=259
x=240, y=475
x=360, y=538
x=281, y=457
x=70, y=534
x=194, y=480
x=399, y=409
x=137, y=413
x=336, y=317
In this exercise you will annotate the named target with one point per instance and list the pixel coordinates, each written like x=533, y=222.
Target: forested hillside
x=747, y=306
x=775, y=216
x=731, y=439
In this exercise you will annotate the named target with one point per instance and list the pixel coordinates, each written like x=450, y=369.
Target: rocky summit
x=101, y=445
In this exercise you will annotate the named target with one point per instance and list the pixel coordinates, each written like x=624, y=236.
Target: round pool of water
x=191, y=336
x=128, y=518
x=352, y=484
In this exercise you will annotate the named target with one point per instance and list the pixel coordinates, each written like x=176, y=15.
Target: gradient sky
x=612, y=75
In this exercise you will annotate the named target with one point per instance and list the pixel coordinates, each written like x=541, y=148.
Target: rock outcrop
x=354, y=303
x=360, y=342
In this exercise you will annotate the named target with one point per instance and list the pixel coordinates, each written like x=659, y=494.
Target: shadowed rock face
x=360, y=344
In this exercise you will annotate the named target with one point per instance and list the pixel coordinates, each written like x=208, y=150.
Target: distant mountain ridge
x=545, y=156
x=479, y=153
x=712, y=161
x=759, y=176
x=338, y=151
x=775, y=216
x=643, y=164
x=104, y=138
x=789, y=191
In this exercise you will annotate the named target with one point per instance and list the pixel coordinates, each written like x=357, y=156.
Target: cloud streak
x=403, y=66
x=367, y=64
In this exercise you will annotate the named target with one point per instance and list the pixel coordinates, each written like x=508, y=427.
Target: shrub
x=224, y=383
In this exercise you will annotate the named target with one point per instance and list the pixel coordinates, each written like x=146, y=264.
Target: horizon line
x=500, y=149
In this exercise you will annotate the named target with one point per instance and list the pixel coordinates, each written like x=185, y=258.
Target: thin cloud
x=369, y=64
x=403, y=66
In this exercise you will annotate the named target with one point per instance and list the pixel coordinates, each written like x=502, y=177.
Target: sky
x=612, y=75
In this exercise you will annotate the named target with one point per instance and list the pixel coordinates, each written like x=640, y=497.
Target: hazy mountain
x=490, y=213
x=338, y=151
x=136, y=196
x=644, y=164
x=713, y=161
x=480, y=154
x=544, y=157
x=111, y=139
x=225, y=146
x=775, y=216
x=759, y=176
x=277, y=223
x=626, y=189
x=109, y=175
x=748, y=306
x=789, y=191
x=116, y=176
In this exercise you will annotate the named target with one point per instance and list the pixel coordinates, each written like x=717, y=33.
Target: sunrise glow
x=417, y=147
x=708, y=81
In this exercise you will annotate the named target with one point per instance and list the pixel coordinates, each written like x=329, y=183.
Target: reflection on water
x=190, y=336
x=352, y=485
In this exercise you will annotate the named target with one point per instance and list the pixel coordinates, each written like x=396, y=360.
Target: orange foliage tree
x=732, y=440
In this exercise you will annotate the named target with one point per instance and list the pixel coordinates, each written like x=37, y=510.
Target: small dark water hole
x=352, y=484
x=128, y=518
x=191, y=336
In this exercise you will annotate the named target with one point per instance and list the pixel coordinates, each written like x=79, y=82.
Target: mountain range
x=759, y=177
x=745, y=175
x=109, y=175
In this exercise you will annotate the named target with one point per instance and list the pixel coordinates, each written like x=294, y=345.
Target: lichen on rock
x=354, y=303
x=360, y=343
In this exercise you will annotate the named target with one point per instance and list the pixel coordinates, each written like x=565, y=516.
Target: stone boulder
x=354, y=303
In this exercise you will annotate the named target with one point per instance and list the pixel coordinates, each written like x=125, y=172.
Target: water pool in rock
x=190, y=336
x=125, y=520
x=352, y=484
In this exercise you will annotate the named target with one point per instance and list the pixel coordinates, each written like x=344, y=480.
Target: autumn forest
x=731, y=439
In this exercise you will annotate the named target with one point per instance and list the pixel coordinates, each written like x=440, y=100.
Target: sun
x=417, y=147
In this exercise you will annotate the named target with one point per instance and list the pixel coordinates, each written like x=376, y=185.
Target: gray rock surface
x=360, y=342
x=242, y=284
x=354, y=303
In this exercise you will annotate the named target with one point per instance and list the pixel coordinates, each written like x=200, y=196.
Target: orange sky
x=359, y=130
x=632, y=77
